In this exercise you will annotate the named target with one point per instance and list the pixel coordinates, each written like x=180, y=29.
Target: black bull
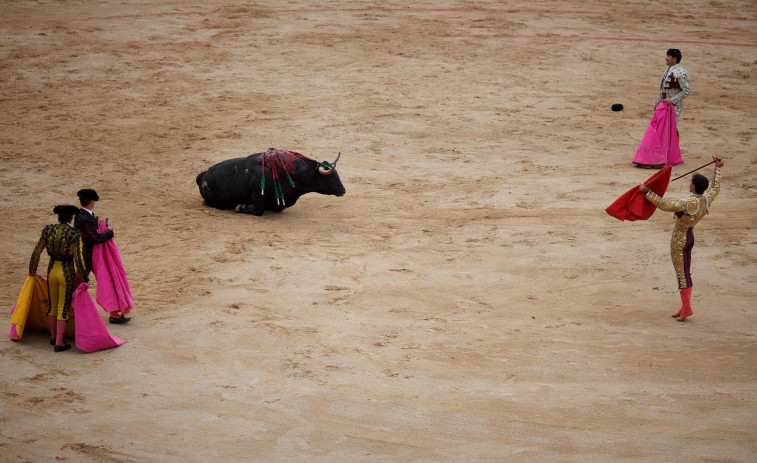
x=236, y=183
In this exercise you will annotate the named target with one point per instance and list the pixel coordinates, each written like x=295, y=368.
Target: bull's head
x=328, y=181
x=327, y=168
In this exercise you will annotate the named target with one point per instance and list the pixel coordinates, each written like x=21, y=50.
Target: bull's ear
x=326, y=168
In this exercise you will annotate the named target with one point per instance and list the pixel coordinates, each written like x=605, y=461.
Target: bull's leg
x=245, y=209
x=258, y=203
x=257, y=207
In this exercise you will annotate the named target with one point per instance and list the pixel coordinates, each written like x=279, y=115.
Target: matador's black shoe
x=119, y=320
x=62, y=348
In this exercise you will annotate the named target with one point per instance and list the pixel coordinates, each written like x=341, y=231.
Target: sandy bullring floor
x=468, y=299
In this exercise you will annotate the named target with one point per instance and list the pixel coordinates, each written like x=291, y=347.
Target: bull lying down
x=273, y=180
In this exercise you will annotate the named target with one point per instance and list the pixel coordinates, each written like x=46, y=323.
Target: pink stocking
x=61, y=330
x=52, y=319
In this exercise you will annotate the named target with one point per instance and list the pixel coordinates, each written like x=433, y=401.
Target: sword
x=714, y=160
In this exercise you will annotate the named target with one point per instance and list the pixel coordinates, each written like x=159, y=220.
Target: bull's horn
x=337, y=158
x=324, y=171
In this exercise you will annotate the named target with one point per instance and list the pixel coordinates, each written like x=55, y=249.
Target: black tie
x=664, y=76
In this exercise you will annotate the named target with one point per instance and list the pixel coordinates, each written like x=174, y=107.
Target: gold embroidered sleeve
x=34, y=261
x=668, y=205
x=714, y=189
x=685, y=83
x=79, y=256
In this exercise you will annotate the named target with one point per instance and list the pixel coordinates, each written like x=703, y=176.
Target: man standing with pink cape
x=660, y=144
x=101, y=256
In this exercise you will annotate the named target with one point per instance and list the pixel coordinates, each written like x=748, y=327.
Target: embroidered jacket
x=688, y=210
x=63, y=244
x=676, y=85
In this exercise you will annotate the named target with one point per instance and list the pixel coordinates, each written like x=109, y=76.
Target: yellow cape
x=31, y=309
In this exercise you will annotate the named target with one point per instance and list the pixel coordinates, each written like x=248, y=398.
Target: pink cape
x=660, y=143
x=632, y=205
x=91, y=333
x=113, y=292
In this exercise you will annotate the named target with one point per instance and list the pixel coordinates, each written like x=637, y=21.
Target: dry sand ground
x=467, y=300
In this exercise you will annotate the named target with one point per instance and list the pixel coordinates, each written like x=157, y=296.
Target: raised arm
x=714, y=189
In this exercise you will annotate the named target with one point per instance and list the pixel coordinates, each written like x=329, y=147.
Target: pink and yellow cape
x=84, y=323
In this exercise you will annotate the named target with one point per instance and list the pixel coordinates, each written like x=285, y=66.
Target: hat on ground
x=66, y=209
x=88, y=193
x=617, y=107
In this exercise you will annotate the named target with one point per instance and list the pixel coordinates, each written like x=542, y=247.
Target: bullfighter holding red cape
x=640, y=202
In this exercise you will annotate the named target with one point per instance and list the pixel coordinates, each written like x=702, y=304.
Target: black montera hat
x=617, y=107
x=66, y=209
x=88, y=193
